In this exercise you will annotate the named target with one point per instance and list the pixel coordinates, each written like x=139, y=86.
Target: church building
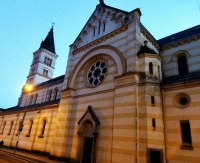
x=125, y=97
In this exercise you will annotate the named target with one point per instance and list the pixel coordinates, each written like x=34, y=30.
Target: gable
x=104, y=20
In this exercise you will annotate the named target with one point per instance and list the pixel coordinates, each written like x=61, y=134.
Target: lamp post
x=28, y=88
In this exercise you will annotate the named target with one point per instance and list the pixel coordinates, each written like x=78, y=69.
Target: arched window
x=11, y=125
x=55, y=93
x=104, y=26
x=99, y=27
x=50, y=62
x=4, y=124
x=49, y=95
x=31, y=100
x=94, y=31
x=30, y=126
x=182, y=65
x=158, y=71
x=20, y=123
x=151, y=68
x=45, y=73
x=44, y=122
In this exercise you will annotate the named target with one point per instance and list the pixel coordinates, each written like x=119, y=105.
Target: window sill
x=186, y=146
x=8, y=134
x=28, y=135
x=41, y=136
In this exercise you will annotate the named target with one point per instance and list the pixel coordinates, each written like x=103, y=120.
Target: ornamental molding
x=149, y=38
x=46, y=51
x=150, y=56
x=104, y=38
x=181, y=42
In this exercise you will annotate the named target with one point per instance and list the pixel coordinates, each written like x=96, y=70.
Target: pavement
x=26, y=156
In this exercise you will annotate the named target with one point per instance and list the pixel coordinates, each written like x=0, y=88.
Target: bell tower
x=43, y=62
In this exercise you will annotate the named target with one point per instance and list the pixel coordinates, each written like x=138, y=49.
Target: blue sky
x=24, y=23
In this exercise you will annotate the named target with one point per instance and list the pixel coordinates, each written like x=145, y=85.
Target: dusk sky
x=25, y=23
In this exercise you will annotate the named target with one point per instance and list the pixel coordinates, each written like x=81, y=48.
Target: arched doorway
x=87, y=134
x=88, y=142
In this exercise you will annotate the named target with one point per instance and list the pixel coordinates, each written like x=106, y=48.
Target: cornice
x=42, y=63
x=108, y=36
x=179, y=86
x=149, y=38
x=52, y=106
x=46, y=51
x=181, y=42
x=150, y=56
x=39, y=75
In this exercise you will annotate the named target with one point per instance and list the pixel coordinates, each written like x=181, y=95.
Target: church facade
x=125, y=96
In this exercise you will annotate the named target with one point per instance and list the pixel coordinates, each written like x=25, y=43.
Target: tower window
x=151, y=68
x=45, y=73
x=182, y=65
x=158, y=71
x=152, y=100
x=186, y=134
x=154, y=123
x=47, y=61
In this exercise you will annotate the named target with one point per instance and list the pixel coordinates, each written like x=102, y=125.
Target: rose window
x=97, y=73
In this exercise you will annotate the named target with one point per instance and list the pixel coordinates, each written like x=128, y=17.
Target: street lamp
x=28, y=88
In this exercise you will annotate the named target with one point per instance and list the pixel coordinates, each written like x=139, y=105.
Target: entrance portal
x=87, y=150
x=155, y=157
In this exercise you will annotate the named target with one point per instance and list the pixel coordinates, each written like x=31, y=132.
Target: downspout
x=14, y=129
x=163, y=109
x=112, y=127
x=136, y=121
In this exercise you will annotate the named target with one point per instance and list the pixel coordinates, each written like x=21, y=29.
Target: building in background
x=125, y=96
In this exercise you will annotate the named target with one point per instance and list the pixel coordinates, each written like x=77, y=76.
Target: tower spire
x=102, y=2
x=48, y=43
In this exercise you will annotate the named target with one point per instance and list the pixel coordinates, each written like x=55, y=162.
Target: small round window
x=183, y=101
x=96, y=73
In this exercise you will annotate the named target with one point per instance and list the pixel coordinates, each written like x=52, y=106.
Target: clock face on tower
x=96, y=73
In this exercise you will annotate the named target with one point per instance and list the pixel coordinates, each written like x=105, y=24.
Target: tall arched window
x=4, y=124
x=151, y=68
x=104, y=26
x=11, y=125
x=44, y=122
x=30, y=127
x=99, y=27
x=94, y=31
x=20, y=123
x=182, y=65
